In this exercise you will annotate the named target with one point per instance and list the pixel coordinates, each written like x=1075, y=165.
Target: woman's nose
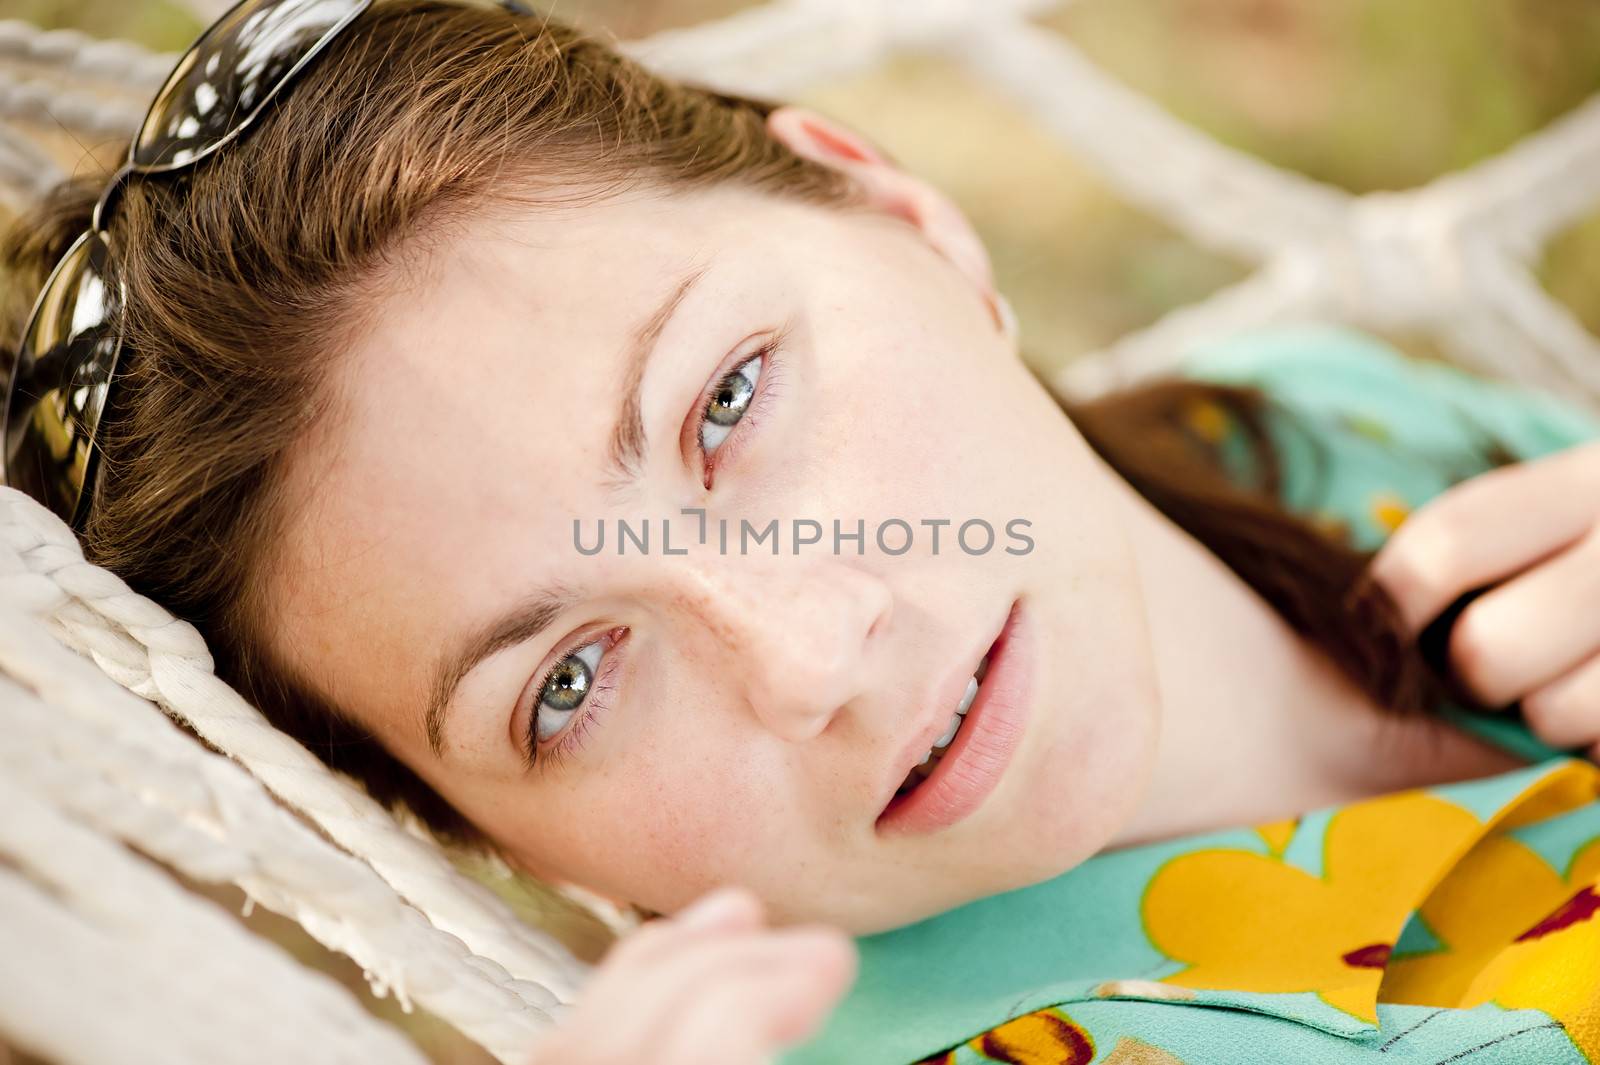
x=796, y=634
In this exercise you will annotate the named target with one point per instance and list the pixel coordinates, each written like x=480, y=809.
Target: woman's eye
x=565, y=688
x=728, y=403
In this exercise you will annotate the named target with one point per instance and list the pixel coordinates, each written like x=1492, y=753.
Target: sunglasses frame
x=82, y=444
x=87, y=244
x=144, y=158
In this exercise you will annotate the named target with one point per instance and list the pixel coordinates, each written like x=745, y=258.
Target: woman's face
x=724, y=715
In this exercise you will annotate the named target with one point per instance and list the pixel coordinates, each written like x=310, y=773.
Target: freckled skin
x=758, y=705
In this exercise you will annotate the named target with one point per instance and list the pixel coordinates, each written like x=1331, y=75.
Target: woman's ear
x=893, y=190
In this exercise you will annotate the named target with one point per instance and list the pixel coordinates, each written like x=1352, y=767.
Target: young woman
x=472, y=294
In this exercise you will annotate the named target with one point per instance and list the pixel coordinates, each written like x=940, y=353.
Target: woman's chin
x=1075, y=794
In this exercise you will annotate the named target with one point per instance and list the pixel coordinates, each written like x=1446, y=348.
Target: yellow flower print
x=1277, y=834
x=1044, y=1037
x=1555, y=967
x=1515, y=932
x=1249, y=922
x=1388, y=510
x=1207, y=420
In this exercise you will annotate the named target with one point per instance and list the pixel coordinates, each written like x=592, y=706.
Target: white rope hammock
x=108, y=959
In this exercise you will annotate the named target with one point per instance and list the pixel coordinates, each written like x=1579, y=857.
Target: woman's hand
x=1536, y=636
x=710, y=986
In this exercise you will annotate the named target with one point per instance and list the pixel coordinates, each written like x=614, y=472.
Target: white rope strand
x=1537, y=187
x=98, y=751
x=70, y=53
x=51, y=107
x=175, y=670
x=25, y=169
x=156, y=974
x=1223, y=198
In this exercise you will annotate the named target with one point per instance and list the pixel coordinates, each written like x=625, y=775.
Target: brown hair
x=244, y=274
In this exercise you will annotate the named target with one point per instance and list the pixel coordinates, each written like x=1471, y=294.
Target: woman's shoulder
x=1364, y=434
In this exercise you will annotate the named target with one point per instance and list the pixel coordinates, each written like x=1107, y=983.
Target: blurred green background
x=1364, y=94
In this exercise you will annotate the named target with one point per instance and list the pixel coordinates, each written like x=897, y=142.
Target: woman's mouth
x=941, y=746
x=964, y=762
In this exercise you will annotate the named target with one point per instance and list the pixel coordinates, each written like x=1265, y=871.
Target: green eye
x=729, y=403
x=564, y=690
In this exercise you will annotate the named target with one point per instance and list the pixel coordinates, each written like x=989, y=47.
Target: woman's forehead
x=562, y=271
x=472, y=421
x=511, y=326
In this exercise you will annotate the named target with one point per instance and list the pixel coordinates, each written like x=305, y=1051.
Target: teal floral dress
x=1450, y=924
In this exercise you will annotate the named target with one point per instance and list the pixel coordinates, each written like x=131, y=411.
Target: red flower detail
x=1575, y=910
x=1371, y=956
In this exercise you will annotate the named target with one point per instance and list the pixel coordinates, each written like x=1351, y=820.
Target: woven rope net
x=103, y=796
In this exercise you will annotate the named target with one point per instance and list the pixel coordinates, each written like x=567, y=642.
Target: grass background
x=1364, y=94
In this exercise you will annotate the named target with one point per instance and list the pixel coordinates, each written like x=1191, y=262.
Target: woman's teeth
x=967, y=696
x=943, y=741
x=942, y=744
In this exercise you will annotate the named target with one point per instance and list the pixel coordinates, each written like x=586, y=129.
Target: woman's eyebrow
x=534, y=614
x=625, y=455
x=523, y=621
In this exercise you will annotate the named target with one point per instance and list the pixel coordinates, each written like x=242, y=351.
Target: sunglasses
x=68, y=353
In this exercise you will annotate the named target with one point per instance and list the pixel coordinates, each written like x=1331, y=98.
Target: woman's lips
x=982, y=748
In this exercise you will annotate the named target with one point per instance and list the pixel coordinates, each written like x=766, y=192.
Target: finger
x=795, y=1016
x=641, y=999
x=726, y=909
x=1531, y=630
x=1566, y=713
x=757, y=992
x=751, y=1014
x=1480, y=531
x=627, y=972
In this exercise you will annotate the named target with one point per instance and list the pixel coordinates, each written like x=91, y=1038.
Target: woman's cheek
x=673, y=831
x=720, y=810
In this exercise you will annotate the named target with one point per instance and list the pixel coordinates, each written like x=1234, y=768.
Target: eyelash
x=766, y=393
x=594, y=703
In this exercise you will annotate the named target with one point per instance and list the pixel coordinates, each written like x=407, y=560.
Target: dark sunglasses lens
x=58, y=394
x=236, y=67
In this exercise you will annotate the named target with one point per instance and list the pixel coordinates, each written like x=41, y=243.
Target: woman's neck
x=1258, y=723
